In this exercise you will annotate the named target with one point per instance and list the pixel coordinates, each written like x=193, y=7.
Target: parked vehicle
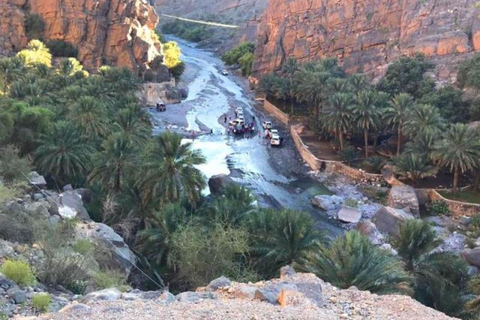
x=237, y=122
x=225, y=72
x=161, y=107
x=275, y=140
x=267, y=125
x=274, y=132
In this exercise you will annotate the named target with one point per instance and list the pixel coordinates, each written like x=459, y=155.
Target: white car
x=274, y=132
x=275, y=140
x=267, y=125
x=239, y=109
x=237, y=122
x=225, y=72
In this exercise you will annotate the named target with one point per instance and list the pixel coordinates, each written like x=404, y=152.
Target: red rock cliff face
x=117, y=32
x=366, y=35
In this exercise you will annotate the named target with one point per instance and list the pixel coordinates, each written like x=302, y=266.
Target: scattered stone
x=18, y=296
x=190, y=296
x=68, y=187
x=472, y=270
x=106, y=294
x=167, y=297
x=75, y=308
x=39, y=208
x=287, y=271
x=349, y=214
x=218, y=283
x=71, y=206
x=389, y=220
x=326, y=202
x=441, y=221
x=369, y=229
x=37, y=180
x=404, y=197
x=473, y=256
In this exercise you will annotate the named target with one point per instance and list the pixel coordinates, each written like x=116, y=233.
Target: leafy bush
x=84, y=247
x=8, y=193
x=246, y=63
x=18, y=271
x=375, y=163
x=348, y=154
x=233, y=56
x=109, y=279
x=34, y=26
x=186, y=30
x=351, y=203
x=438, y=207
x=41, y=302
x=61, y=48
x=12, y=165
x=16, y=225
x=475, y=221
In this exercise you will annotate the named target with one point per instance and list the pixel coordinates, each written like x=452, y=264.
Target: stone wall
x=276, y=112
x=457, y=208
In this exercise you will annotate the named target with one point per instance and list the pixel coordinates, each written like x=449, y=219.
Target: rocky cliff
x=114, y=32
x=293, y=296
x=245, y=13
x=366, y=35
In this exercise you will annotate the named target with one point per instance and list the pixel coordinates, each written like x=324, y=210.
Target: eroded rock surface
x=367, y=35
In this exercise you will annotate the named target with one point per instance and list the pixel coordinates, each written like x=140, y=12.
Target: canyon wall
x=114, y=32
x=244, y=13
x=367, y=35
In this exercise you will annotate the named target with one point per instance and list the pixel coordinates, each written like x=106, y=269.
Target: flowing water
x=247, y=159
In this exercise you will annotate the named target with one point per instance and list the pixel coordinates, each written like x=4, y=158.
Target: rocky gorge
x=366, y=35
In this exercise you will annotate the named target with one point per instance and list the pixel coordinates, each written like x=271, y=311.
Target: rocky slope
x=114, y=32
x=293, y=296
x=366, y=35
x=245, y=13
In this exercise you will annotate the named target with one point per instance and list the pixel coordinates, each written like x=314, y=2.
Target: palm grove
x=429, y=125
x=90, y=130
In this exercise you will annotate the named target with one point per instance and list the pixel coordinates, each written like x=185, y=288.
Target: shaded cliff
x=366, y=35
x=245, y=13
x=114, y=32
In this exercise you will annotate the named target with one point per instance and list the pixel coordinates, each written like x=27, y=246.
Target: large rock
x=473, y=256
x=366, y=36
x=218, y=183
x=106, y=32
x=404, y=197
x=71, y=206
x=106, y=294
x=349, y=215
x=120, y=256
x=36, y=179
x=369, y=229
x=389, y=220
x=327, y=202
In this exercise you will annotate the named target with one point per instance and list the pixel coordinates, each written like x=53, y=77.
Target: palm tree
x=134, y=124
x=169, y=171
x=459, y=150
x=366, y=113
x=352, y=260
x=413, y=167
x=415, y=239
x=232, y=208
x=337, y=115
x=281, y=237
x=115, y=163
x=423, y=120
x=338, y=85
x=311, y=88
x=88, y=114
x=396, y=114
x=358, y=82
x=63, y=153
x=288, y=70
x=11, y=69
x=422, y=145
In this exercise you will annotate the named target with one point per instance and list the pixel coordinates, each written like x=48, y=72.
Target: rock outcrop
x=389, y=220
x=293, y=296
x=366, y=35
x=112, y=32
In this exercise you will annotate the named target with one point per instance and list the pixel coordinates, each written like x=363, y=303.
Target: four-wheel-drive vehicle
x=275, y=140
x=161, y=107
x=267, y=125
x=225, y=72
x=237, y=122
x=274, y=132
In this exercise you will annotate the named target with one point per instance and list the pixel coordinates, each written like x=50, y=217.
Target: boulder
x=389, y=220
x=287, y=271
x=369, y=229
x=218, y=283
x=101, y=234
x=167, y=297
x=218, y=183
x=41, y=208
x=473, y=256
x=404, y=197
x=36, y=179
x=349, y=214
x=190, y=296
x=105, y=294
x=327, y=202
x=71, y=206
x=18, y=296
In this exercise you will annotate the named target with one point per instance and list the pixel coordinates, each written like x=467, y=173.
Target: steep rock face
x=366, y=35
x=115, y=32
x=244, y=13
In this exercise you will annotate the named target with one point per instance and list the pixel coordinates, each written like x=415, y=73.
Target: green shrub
x=233, y=56
x=13, y=167
x=475, y=221
x=18, y=271
x=84, y=247
x=61, y=48
x=41, y=302
x=16, y=225
x=34, y=26
x=351, y=203
x=348, y=154
x=375, y=163
x=438, y=207
x=109, y=279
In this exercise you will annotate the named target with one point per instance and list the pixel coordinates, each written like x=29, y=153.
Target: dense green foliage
x=19, y=271
x=186, y=30
x=60, y=48
x=34, y=26
x=241, y=55
x=41, y=302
